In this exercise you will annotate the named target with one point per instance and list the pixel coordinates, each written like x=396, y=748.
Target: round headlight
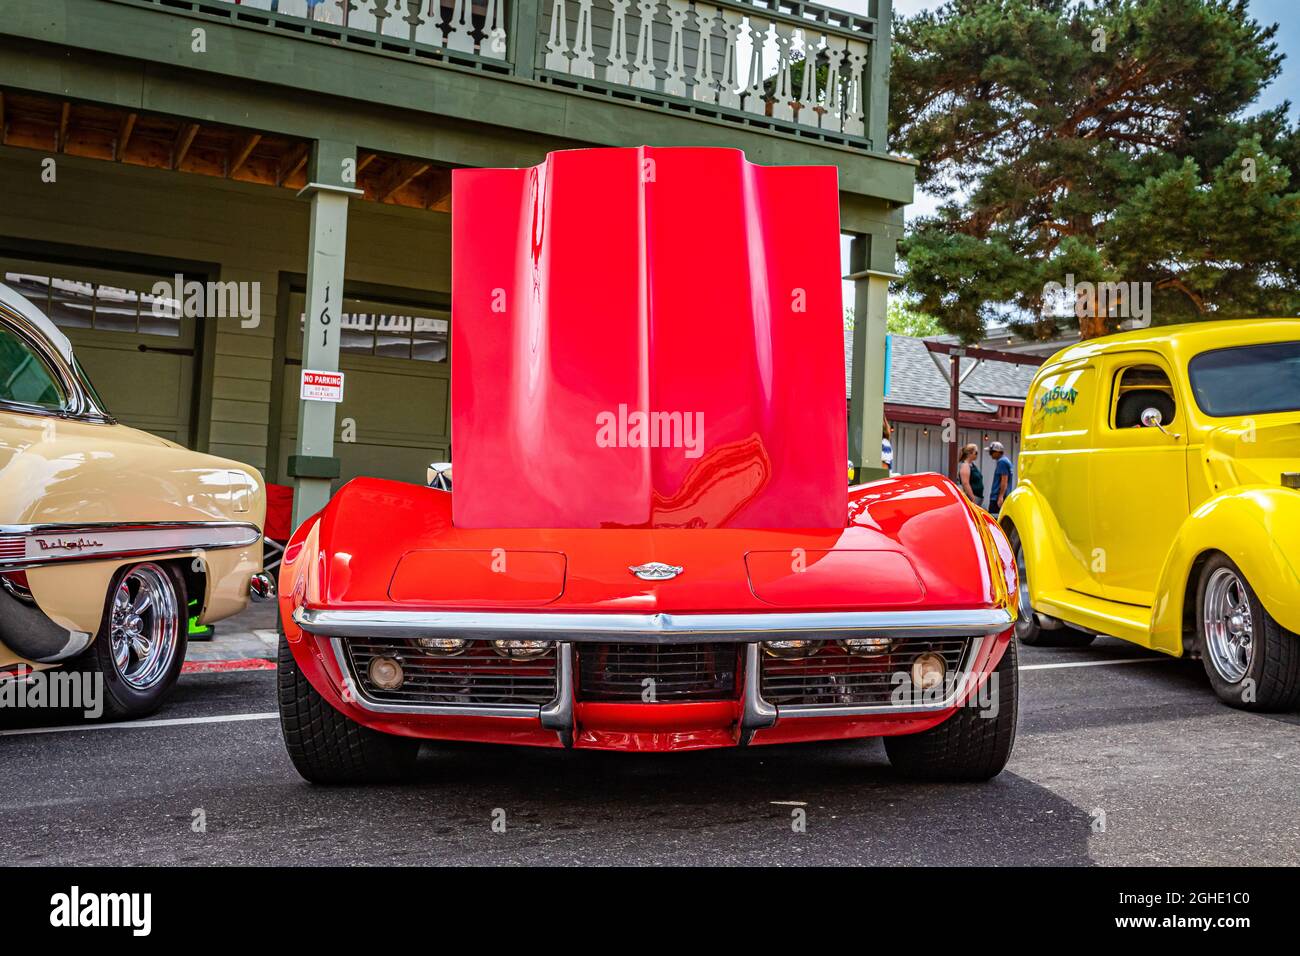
x=866, y=646
x=443, y=646
x=386, y=673
x=928, y=671
x=521, y=650
x=792, y=648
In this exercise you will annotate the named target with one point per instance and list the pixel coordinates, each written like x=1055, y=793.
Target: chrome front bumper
x=569, y=629
x=659, y=628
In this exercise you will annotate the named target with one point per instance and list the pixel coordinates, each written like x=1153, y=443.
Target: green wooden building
x=190, y=187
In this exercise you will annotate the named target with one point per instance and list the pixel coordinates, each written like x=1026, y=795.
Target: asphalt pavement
x=1123, y=757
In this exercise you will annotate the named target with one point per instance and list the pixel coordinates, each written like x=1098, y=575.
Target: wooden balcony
x=731, y=61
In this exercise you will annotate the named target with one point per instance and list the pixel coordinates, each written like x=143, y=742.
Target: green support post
x=878, y=73
x=867, y=408
x=332, y=181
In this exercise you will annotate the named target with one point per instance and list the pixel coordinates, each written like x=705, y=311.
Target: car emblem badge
x=655, y=571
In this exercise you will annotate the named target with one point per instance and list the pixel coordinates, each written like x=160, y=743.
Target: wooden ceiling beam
x=184, y=139
x=293, y=160
x=124, y=131
x=401, y=173
x=241, y=151
x=61, y=137
x=440, y=190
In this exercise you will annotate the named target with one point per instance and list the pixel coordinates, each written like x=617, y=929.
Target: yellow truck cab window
x=1137, y=388
x=25, y=379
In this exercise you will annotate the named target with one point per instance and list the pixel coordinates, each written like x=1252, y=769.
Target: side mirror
x=438, y=475
x=1151, y=418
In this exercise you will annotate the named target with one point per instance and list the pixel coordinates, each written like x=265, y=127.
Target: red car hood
x=647, y=338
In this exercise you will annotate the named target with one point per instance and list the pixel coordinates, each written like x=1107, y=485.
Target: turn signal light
x=386, y=673
x=866, y=646
x=443, y=646
x=792, y=648
x=928, y=671
x=521, y=650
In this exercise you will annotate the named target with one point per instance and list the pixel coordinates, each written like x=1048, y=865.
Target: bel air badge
x=655, y=571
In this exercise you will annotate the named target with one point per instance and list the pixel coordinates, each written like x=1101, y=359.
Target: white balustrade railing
x=699, y=51
x=421, y=21
x=806, y=65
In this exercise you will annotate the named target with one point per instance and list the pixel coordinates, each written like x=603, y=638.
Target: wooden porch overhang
x=58, y=126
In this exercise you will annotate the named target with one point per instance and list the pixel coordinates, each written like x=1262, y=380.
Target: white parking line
x=139, y=724
x=1122, y=660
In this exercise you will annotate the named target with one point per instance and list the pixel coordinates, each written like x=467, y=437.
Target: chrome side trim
x=38, y=545
x=851, y=710
x=663, y=628
x=525, y=711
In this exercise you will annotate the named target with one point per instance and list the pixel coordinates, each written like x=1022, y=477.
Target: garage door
x=138, y=351
x=393, y=420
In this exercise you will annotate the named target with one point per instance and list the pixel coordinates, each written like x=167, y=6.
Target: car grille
x=678, y=672
x=479, y=676
x=832, y=676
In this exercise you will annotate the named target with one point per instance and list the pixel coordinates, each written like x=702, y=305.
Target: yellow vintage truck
x=1159, y=501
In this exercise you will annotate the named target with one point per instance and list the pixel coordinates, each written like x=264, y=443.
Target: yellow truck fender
x=1258, y=528
x=1037, y=526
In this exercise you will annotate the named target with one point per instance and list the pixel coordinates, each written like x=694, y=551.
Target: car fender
x=80, y=473
x=1036, y=524
x=1258, y=528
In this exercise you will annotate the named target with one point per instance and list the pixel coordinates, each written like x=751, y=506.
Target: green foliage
x=902, y=319
x=1106, y=141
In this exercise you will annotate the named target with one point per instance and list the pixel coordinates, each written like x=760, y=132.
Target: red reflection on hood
x=647, y=338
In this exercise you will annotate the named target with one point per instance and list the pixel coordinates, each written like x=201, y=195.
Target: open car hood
x=647, y=338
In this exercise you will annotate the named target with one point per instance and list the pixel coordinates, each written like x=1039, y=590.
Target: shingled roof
x=914, y=379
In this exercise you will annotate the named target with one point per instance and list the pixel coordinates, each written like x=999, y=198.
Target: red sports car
x=649, y=545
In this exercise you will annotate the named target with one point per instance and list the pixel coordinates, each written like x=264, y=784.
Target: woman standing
x=968, y=473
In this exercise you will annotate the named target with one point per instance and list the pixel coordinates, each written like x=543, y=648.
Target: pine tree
x=1107, y=141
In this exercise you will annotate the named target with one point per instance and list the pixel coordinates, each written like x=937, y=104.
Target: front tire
x=970, y=746
x=1028, y=630
x=327, y=747
x=1251, y=660
x=141, y=644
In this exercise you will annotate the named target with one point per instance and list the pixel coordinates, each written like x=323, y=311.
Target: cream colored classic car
x=108, y=535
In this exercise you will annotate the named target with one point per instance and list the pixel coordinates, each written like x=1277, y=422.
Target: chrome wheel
x=1229, y=630
x=1026, y=625
x=145, y=626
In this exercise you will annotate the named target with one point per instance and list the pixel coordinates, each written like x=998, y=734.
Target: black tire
x=1271, y=682
x=122, y=699
x=327, y=747
x=968, y=746
x=1028, y=630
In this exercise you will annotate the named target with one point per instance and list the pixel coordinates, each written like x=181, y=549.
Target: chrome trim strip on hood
x=661, y=628
x=39, y=545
